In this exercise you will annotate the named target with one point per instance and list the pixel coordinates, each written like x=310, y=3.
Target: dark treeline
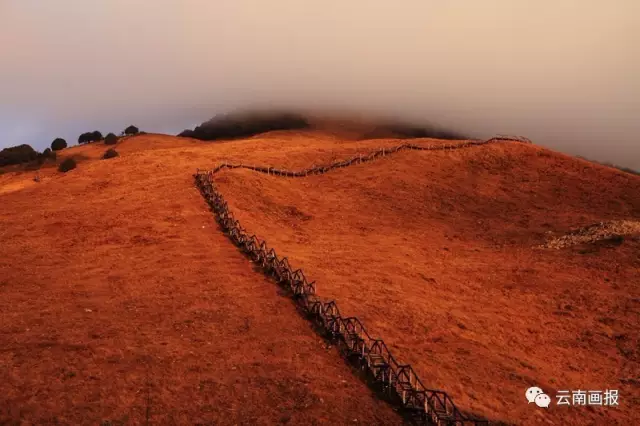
x=235, y=126
x=24, y=153
x=242, y=125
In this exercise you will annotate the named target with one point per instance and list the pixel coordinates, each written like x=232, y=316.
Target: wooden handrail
x=434, y=406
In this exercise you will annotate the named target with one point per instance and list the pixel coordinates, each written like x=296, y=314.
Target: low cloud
x=564, y=73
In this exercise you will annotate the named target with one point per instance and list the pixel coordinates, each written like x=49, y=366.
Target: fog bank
x=563, y=73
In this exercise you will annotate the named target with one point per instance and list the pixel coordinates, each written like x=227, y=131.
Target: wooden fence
x=398, y=381
x=362, y=158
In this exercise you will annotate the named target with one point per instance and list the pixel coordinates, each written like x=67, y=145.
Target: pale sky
x=565, y=73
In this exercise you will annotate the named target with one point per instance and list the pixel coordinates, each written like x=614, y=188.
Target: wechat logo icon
x=537, y=396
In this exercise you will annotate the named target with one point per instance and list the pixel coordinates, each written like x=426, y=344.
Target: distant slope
x=607, y=164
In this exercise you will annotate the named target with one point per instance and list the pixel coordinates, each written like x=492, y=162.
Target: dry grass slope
x=373, y=355
x=109, y=309
x=453, y=280
x=119, y=297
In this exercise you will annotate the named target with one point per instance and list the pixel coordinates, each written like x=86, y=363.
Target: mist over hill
x=564, y=74
x=242, y=124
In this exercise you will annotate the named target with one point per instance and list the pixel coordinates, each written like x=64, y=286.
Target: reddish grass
x=435, y=252
x=116, y=304
x=121, y=300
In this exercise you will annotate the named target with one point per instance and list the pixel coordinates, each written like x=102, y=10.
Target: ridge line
x=360, y=158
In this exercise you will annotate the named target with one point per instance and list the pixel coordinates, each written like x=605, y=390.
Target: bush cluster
x=17, y=155
x=67, y=164
x=87, y=137
x=245, y=125
x=26, y=154
x=110, y=153
x=110, y=139
x=131, y=130
x=47, y=154
x=58, y=144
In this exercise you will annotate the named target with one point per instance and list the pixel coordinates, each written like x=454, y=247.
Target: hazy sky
x=565, y=73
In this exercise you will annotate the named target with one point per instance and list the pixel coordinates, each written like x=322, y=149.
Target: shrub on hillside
x=245, y=125
x=131, y=130
x=87, y=137
x=110, y=139
x=67, y=164
x=58, y=144
x=17, y=155
x=50, y=154
x=83, y=138
x=110, y=153
x=47, y=154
